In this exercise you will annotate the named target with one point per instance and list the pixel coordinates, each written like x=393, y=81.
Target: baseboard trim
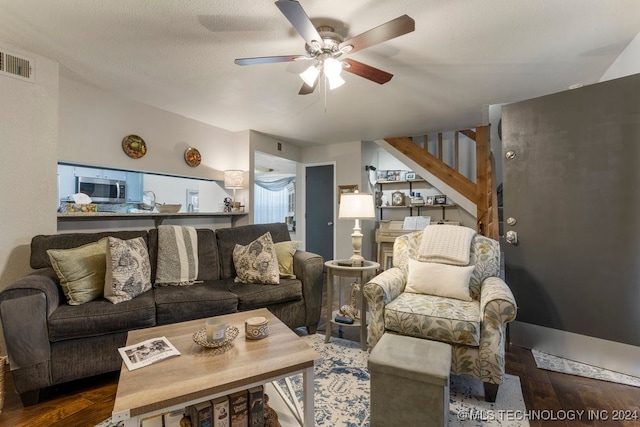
x=615, y=356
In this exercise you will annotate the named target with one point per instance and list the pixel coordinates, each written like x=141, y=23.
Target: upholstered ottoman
x=409, y=382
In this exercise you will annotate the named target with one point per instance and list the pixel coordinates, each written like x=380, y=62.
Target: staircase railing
x=482, y=192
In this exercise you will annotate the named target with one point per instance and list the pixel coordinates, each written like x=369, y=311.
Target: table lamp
x=356, y=206
x=234, y=179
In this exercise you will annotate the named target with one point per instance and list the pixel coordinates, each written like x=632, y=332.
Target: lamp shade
x=310, y=75
x=356, y=206
x=233, y=179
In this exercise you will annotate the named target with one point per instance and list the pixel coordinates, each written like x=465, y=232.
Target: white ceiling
x=464, y=54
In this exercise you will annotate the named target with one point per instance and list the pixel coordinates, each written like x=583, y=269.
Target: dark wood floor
x=88, y=402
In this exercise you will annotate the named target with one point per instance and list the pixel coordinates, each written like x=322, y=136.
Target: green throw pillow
x=285, y=252
x=81, y=271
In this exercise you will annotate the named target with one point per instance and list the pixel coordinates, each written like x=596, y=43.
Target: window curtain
x=277, y=184
x=271, y=201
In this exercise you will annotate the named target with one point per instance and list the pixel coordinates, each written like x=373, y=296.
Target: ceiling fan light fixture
x=332, y=67
x=323, y=45
x=310, y=75
x=335, y=81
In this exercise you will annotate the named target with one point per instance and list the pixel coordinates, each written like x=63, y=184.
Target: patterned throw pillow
x=128, y=269
x=81, y=271
x=257, y=262
x=285, y=252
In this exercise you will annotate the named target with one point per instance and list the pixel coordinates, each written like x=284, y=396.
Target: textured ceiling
x=178, y=55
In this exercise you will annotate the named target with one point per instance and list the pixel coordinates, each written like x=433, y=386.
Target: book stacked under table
x=241, y=409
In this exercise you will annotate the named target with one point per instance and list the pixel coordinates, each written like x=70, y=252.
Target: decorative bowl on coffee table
x=200, y=337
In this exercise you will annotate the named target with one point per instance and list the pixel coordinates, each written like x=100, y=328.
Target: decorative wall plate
x=134, y=146
x=192, y=157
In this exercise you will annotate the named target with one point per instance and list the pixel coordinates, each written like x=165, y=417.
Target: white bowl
x=164, y=208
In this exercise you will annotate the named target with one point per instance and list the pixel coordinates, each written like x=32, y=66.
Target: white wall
x=93, y=118
x=28, y=154
x=90, y=117
x=627, y=63
x=57, y=119
x=347, y=159
x=29, y=129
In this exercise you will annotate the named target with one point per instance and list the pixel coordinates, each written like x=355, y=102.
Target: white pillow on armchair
x=444, y=280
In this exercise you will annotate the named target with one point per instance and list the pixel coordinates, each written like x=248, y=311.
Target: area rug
x=565, y=366
x=342, y=392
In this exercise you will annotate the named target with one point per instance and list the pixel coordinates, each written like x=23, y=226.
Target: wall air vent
x=12, y=65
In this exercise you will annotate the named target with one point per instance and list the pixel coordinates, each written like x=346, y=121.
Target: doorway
x=319, y=210
x=274, y=190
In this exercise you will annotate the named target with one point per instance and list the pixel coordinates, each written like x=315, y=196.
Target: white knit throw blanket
x=177, y=255
x=446, y=244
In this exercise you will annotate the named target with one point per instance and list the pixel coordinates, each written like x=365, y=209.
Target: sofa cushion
x=437, y=318
x=101, y=317
x=128, y=272
x=40, y=243
x=208, y=262
x=257, y=262
x=182, y=303
x=227, y=238
x=252, y=296
x=81, y=271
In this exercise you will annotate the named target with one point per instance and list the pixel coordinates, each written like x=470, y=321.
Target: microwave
x=102, y=190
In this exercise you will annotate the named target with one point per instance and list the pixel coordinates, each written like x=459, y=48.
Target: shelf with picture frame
x=399, y=200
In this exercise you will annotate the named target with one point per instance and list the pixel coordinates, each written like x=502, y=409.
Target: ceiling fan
x=324, y=47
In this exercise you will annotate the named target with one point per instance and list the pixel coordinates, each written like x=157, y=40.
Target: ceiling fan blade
x=396, y=27
x=367, y=71
x=270, y=59
x=306, y=89
x=298, y=17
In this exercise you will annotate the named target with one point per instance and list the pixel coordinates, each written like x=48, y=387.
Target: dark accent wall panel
x=574, y=189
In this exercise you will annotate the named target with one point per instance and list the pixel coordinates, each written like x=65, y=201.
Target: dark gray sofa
x=51, y=342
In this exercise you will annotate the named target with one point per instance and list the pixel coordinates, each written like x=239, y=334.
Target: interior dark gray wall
x=574, y=189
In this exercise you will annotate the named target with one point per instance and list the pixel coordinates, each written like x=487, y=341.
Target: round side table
x=342, y=268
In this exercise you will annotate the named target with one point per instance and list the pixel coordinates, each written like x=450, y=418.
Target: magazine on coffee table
x=147, y=352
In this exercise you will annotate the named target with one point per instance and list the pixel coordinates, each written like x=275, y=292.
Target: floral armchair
x=475, y=329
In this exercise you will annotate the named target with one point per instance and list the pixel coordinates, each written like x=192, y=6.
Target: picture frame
x=342, y=189
x=410, y=175
x=429, y=200
x=381, y=175
x=393, y=175
x=440, y=199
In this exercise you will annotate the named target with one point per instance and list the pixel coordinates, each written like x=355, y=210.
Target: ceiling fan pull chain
x=324, y=85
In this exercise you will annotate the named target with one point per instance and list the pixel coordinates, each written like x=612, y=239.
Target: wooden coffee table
x=198, y=375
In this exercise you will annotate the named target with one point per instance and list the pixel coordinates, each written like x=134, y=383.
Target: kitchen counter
x=156, y=216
